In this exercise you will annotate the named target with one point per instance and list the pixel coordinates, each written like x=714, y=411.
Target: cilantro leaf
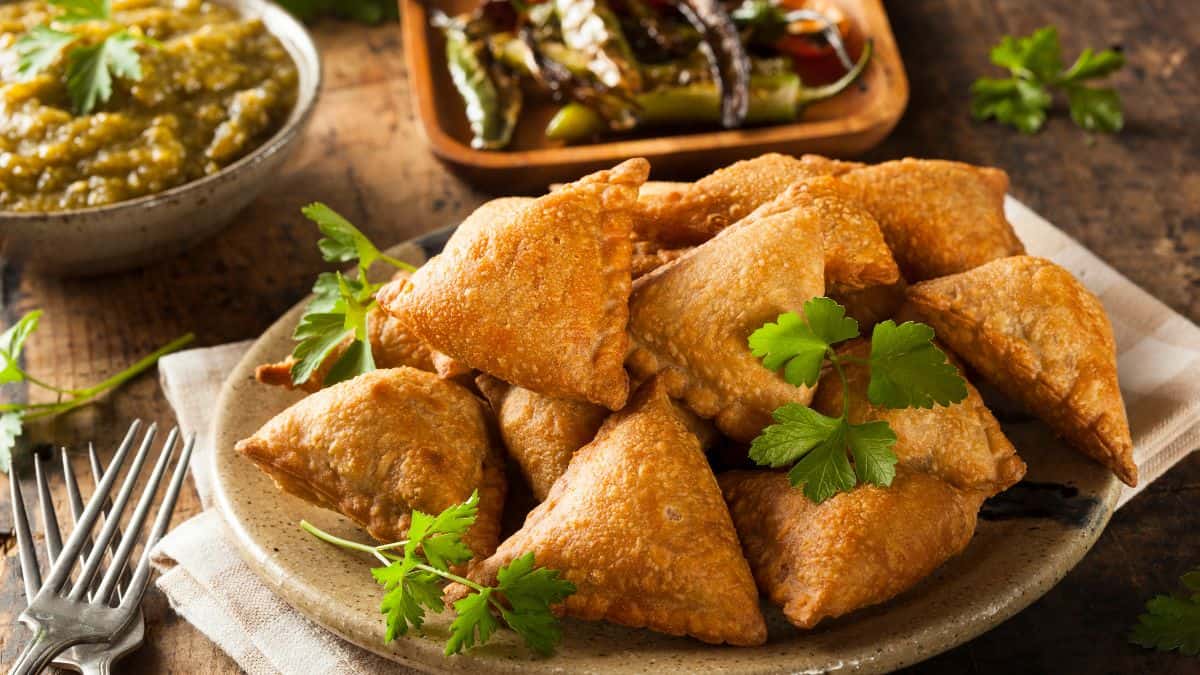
x=408, y=593
x=79, y=11
x=1096, y=109
x=343, y=242
x=1035, y=64
x=825, y=470
x=1172, y=622
x=318, y=334
x=530, y=593
x=1038, y=56
x=356, y=360
x=800, y=345
x=12, y=341
x=440, y=537
x=10, y=430
x=871, y=446
x=38, y=49
x=91, y=69
x=909, y=371
x=1091, y=64
x=475, y=619
x=327, y=291
x=1012, y=101
x=799, y=429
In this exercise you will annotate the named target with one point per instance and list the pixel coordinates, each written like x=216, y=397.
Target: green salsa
x=216, y=87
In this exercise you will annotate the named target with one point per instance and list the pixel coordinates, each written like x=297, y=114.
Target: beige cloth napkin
x=209, y=585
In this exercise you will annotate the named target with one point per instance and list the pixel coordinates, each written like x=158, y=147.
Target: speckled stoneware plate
x=1028, y=539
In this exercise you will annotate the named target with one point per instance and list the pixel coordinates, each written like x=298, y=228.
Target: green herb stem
x=451, y=576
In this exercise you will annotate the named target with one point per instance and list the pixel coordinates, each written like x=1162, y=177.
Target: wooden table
x=1134, y=199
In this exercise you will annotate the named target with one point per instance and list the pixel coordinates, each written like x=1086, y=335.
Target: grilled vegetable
x=590, y=28
x=491, y=93
x=723, y=46
x=773, y=98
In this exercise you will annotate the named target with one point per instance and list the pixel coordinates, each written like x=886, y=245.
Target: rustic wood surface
x=1134, y=199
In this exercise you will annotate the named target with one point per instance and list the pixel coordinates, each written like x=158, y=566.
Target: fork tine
x=121, y=557
x=70, y=553
x=29, y=564
x=97, y=472
x=114, y=515
x=137, y=587
x=49, y=517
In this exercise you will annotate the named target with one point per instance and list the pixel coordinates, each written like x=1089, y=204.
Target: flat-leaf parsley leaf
x=1172, y=622
x=906, y=368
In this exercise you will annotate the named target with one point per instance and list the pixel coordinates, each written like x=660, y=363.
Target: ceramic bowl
x=138, y=231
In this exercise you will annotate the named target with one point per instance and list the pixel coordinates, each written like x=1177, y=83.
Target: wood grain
x=1131, y=198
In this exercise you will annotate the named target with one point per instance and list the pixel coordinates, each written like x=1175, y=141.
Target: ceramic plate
x=1028, y=539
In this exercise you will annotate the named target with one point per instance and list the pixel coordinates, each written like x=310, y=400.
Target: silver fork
x=63, y=614
x=89, y=659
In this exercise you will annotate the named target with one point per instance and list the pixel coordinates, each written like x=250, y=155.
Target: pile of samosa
x=596, y=338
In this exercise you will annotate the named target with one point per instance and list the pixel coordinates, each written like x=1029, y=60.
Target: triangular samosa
x=961, y=443
x=1033, y=331
x=382, y=444
x=692, y=213
x=690, y=320
x=638, y=524
x=541, y=433
x=537, y=298
x=938, y=217
x=856, y=549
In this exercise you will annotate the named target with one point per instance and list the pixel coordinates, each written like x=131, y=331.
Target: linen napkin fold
x=207, y=583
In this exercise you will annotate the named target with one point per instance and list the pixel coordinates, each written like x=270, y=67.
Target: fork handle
x=97, y=667
x=41, y=650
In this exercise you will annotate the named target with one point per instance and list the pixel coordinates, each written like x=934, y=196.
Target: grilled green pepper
x=490, y=93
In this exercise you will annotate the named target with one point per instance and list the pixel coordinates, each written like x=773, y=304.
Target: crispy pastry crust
x=1039, y=336
x=541, y=433
x=690, y=320
x=382, y=444
x=638, y=524
x=962, y=444
x=537, y=295
x=856, y=549
x=692, y=213
x=938, y=217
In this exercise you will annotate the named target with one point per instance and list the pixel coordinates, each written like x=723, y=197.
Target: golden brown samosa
x=638, y=524
x=1033, y=331
x=856, y=549
x=537, y=298
x=690, y=320
x=541, y=433
x=870, y=305
x=649, y=256
x=962, y=443
x=693, y=213
x=938, y=217
x=382, y=444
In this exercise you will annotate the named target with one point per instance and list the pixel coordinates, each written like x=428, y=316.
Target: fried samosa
x=1041, y=338
x=856, y=549
x=697, y=211
x=938, y=217
x=638, y=524
x=962, y=443
x=690, y=320
x=541, y=433
x=538, y=297
x=868, y=306
x=649, y=256
x=382, y=444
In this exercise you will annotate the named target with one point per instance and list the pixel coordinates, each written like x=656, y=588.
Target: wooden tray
x=847, y=125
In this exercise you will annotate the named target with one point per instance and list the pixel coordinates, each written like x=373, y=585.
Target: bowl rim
x=302, y=50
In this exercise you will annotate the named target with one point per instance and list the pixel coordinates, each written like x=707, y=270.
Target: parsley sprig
x=907, y=371
x=342, y=303
x=1036, y=66
x=413, y=581
x=1172, y=622
x=13, y=415
x=91, y=69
